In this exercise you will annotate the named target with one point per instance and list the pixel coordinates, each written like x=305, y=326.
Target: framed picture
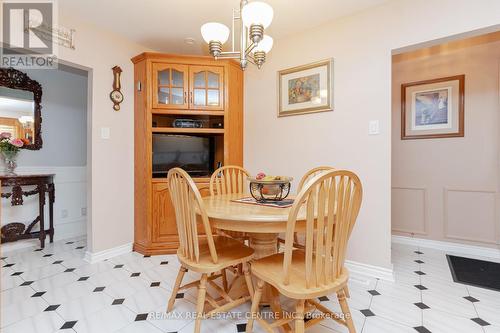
x=433, y=109
x=305, y=89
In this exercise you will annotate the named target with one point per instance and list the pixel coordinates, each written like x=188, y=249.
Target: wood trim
x=218, y=70
x=461, y=112
x=158, y=67
x=188, y=112
x=187, y=130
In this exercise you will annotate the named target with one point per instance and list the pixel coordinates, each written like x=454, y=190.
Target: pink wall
x=447, y=189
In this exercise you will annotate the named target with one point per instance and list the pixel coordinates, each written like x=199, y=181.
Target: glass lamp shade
x=257, y=12
x=215, y=32
x=265, y=45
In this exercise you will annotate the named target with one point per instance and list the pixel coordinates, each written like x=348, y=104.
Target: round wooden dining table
x=261, y=223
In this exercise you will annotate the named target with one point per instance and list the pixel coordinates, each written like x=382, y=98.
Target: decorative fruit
x=260, y=176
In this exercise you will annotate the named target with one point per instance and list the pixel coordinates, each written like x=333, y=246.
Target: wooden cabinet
x=170, y=87
x=206, y=87
x=188, y=87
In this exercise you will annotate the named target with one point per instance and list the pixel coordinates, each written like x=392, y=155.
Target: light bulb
x=215, y=32
x=265, y=45
x=257, y=12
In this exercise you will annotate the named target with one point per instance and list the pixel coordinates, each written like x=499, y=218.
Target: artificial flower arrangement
x=9, y=148
x=10, y=144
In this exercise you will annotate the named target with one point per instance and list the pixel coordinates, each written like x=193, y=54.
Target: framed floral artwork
x=306, y=89
x=433, y=108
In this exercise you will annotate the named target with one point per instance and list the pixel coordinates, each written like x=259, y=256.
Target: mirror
x=20, y=109
x=17, y=113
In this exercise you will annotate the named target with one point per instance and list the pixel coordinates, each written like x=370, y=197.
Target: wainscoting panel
x=70, y=216
x=470, y=215
x=409, y=210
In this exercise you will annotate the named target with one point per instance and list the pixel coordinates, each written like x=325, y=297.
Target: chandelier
x=253, y=18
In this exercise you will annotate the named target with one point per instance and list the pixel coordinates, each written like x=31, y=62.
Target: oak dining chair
x=331, y=202
x=303, y=181
x=208, y=254
x=230, y=179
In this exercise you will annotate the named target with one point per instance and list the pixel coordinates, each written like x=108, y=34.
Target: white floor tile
x=442, y=322
x=110, y=319
x=44, y=322
x=381, y=325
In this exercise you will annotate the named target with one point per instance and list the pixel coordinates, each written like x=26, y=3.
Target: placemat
x=277, y=204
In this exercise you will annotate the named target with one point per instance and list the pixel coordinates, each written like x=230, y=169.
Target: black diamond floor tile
x=147, y=256
x=471, y=299
x=179, y=295
x=141, y=316
x=2, y=258
x=38, y=250
x=135, y=274
x=16, y=273
x=164, y=263
x=418, y=252
x=52, y=307
x=26, y=283
x=8, y=265
x=420, y=287
x=69, y=242
x=118, y=266
x=118, y=301
x=419, y=273
x=48, y=255
x=57, y=262
x=84, y=278
x=69, y=270
x=155, y=284
x=241, y=327
x=79, y=247
x=38, y=294
x=68, y=325
x=99, y=289
x=367, y=313
x=373, y=292
x=419, y=262
x=421, y=329
x=323, y=298
x=421, y=305
x=480, y=322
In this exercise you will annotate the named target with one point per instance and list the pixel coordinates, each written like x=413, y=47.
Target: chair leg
x=299, y=317
x=346, y=291
x=255, y=306
x=248, y=278
x=224, y=280
x=202, y=290
x=341, y=295
x=177, y=285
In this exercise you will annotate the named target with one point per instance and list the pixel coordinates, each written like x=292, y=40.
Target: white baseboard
x=357, y=268
x=93, y=257
x=471, y=250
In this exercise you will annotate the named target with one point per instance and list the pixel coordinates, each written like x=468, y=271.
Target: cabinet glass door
x=206, y=87
x=170, y=82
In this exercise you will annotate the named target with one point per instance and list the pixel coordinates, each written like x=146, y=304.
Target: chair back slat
x=310, y=175
x=330, y=201
x=189, y=209
x=230, y=179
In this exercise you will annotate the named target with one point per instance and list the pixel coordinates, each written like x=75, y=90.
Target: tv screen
x=194, y=154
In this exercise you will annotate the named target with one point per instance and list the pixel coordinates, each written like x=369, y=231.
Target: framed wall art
x=433, y=108
x=306, y=89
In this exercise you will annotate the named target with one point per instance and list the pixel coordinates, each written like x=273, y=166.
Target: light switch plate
x=374, y=127
x=105, y=133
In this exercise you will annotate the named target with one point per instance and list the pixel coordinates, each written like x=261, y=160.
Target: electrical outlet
x=84, y=211
x=64, y=213
x=373, y=127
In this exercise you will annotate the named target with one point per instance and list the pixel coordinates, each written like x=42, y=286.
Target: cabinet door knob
x=185, y=97
x=191, y=97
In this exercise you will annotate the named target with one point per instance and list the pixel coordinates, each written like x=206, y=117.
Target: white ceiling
x=163, y=25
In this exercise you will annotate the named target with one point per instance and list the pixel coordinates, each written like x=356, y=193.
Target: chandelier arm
x=250, y=48
x=229, y=55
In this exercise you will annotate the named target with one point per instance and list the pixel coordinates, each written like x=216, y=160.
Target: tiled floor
x=54, y=289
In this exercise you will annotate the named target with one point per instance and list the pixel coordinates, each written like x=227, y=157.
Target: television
x=193, y=153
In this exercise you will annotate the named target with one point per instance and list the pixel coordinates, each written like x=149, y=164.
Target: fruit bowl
x=270, y=188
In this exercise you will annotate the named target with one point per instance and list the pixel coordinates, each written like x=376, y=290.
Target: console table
x=43, y=183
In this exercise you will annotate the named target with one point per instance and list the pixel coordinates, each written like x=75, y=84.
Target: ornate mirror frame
x=14, y=79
